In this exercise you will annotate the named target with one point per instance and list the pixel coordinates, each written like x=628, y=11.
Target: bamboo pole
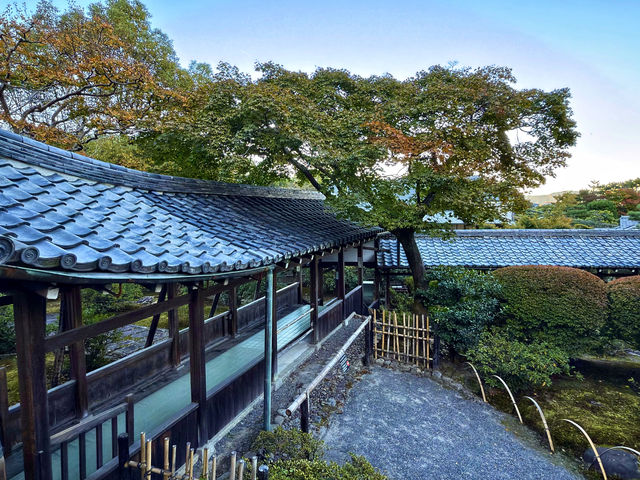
x=186, y=459
x=232, y=471
x=396, y=344
x=166, y=473
x=149, y=463
x=174, y=451
x=143, y=455
x=428, y=342
x=416, y=346
x=214, y=466
x=254, y=460
x=205, y=462
x=191, y=464
x=241, y=469
x=375, y=341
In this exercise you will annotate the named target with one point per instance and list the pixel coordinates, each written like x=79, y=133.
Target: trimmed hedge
x=624, y=310
x=564, y=307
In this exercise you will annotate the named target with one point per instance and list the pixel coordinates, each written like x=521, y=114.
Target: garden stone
x=379, y=361
x=278, y=420
x=331, y=402
x=282, y=412
x=616, y=462
x=437, y=375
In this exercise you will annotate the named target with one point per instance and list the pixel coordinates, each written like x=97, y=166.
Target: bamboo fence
x=405, y=338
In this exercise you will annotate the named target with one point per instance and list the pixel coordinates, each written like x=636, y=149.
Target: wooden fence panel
x=403, y=337
x=330, y=318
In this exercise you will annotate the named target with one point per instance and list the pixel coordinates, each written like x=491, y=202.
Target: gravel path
x=411, y=427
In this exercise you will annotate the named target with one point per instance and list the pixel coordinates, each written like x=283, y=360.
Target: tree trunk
x=407, y=238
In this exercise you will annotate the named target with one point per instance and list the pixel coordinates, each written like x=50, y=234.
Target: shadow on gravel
x=411, y=427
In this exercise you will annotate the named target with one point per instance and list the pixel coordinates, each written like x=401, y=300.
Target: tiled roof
x=59, y=210
x=597, y=248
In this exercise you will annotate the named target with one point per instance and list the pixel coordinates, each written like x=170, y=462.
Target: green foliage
x=97, y=306
x=624, y=310
x=522, y=366
x=294, y=455
x=564, y=307
x=603, y=205
x=462, y=302
x=356, y=469
x=294, y=444
x=7, y=330
x=95, y=302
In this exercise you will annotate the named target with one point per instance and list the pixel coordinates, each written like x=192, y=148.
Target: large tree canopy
x=67, y=78
x=385, y=152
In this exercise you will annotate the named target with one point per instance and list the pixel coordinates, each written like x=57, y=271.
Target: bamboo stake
x=232, y=474
x=427, y=334
x=415, y=339
x=174, y=450
x=186, y=459
x=396, y=345
x=149, y=464
x=240, y=469
x=166, y=473
x=205, y=462
x=143, y=455
x=375, y=342
x=254, y=459
x=213, y=467
x=191, y=464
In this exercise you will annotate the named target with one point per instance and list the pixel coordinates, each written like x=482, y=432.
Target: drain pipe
x=268, y=334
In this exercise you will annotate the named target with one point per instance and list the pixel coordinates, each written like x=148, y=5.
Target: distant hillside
x=544, y=199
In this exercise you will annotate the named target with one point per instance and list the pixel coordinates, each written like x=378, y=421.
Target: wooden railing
x=78, y=432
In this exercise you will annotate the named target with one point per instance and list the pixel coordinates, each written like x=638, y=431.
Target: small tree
x=624, y=310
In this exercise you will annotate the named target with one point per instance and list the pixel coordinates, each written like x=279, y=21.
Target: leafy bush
x=358, y=468
x=522, y=366
x=624, y=310
x=294, y=455
x=462, y=303
x=282, y=444
x=564, y=307
x=7, y=330
x=95, y=302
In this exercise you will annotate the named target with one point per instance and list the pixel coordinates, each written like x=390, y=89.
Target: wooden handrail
x=87, y=424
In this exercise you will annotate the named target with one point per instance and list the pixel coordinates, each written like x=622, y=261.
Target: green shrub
x=356, y=469
x=624, y=310
x=282, y=444
x=564, y=307
x=7, y=330
x=96, y=302
x=522, y=366
x=462, y=303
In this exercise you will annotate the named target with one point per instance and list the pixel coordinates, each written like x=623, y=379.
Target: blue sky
x=592, y=47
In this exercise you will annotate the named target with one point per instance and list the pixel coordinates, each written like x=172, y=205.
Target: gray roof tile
x=597, y=248
x=101, y=217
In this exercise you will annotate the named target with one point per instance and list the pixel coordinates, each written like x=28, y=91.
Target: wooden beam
x=300, y=286
x=71, y=317
x=156, y=318
x=320, y=283
x=377, y=277
x=197, y=359
x=360, y=265
x=313, y=298
x=88, y=331
x=174, y=326
x=30, y=324
x=214, y=305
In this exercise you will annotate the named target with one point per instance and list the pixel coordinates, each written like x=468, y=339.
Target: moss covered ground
x=604, y=399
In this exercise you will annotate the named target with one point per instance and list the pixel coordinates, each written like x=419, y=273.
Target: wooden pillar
x=153, y=328
x=197, y=360
x=71, y=316
x=360, y=264
x=29, y=311
x=320, y=284
x=300, y=286
x=268, y=334
x=313, y=297
x=377, y=276
x=340, y=285
x=174, y=327
x=233, y=311
x=274, y=327
x=387, y=294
